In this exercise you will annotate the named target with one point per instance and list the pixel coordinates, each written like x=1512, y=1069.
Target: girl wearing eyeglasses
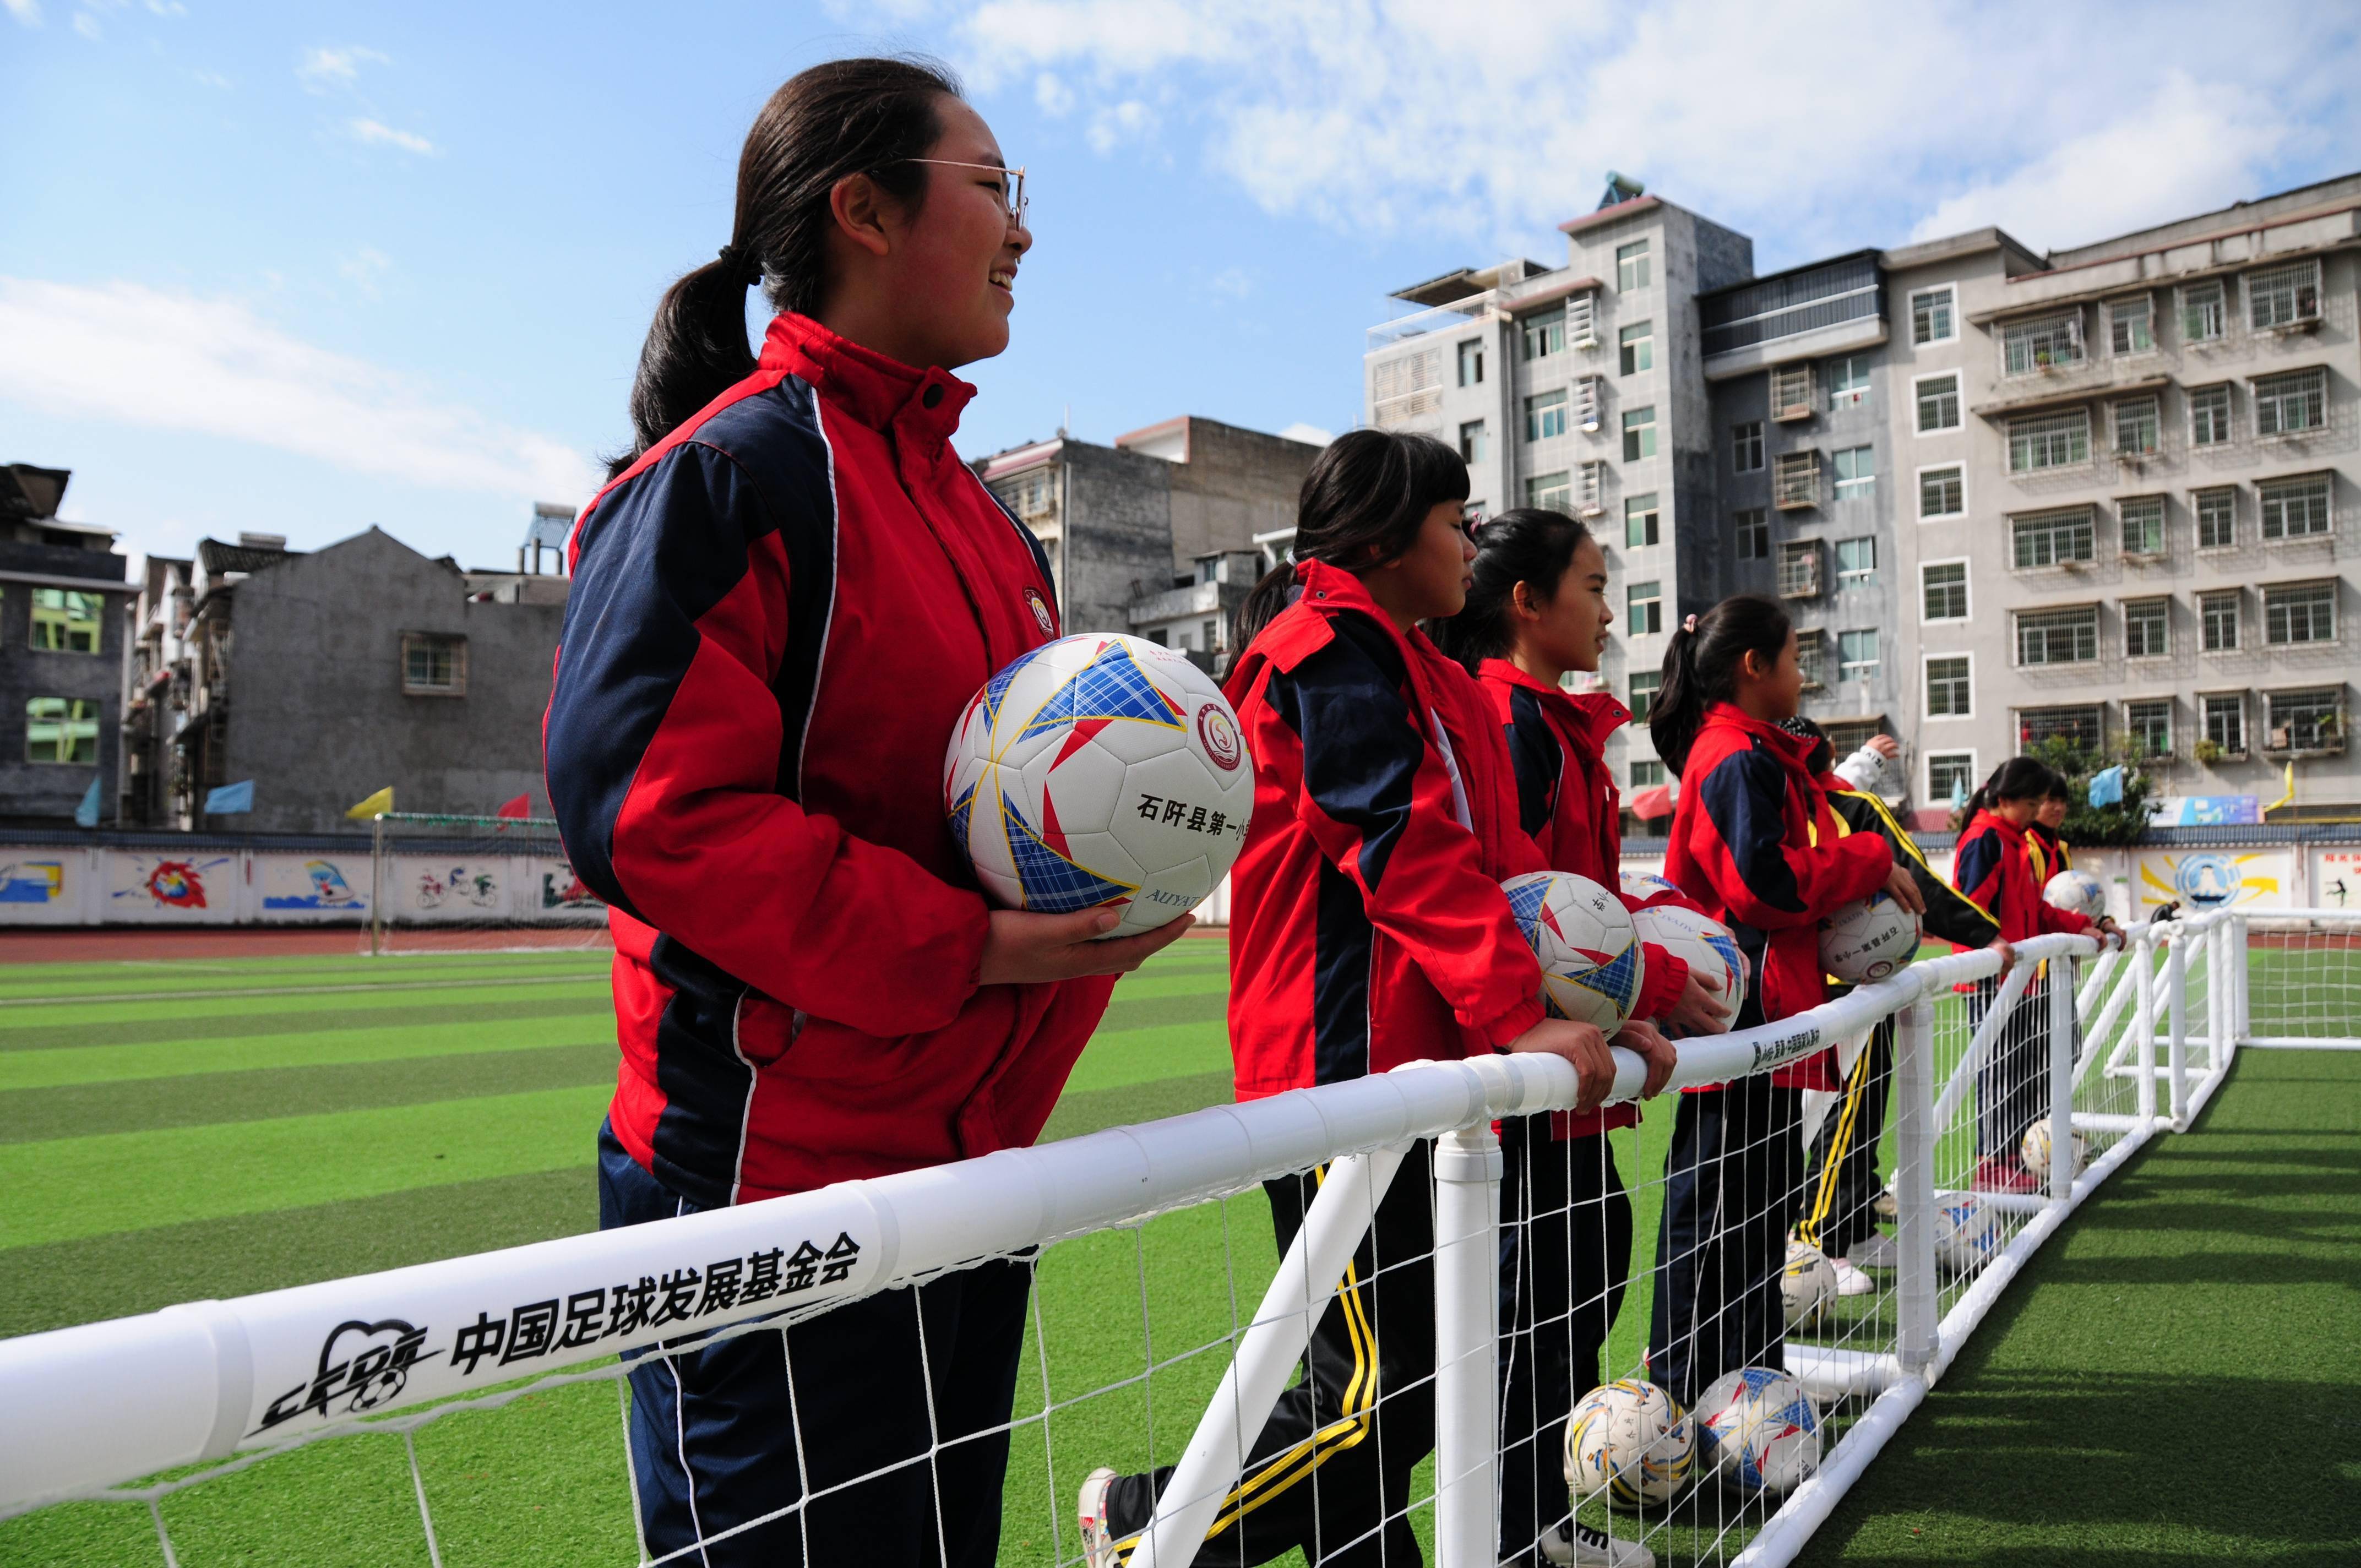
x=780, y=607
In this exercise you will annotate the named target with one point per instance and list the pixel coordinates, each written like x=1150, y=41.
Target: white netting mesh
x=443, y=885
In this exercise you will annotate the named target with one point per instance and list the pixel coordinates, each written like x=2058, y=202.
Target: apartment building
x=63, y=590
x=2098, y=493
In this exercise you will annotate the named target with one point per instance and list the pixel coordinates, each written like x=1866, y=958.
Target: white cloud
x=87, y=26
x=166, y=9
x=213, y=79
x=376, y=133
x=322, y=68
x=26, y=12
x=170, y=361
x=1233, y=283
x=365, y=268
x=1313, y=434
x=1815, y=124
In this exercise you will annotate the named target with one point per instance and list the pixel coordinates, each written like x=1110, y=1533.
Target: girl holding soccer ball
x=1367, y=929
x=780, y=607
x=1755, y=843
x=1539, y=609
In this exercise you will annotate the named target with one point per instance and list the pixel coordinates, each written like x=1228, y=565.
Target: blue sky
x=303, y=268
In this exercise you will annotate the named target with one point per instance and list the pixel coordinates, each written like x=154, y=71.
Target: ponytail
x=849, y=117
x=1525, y=545
x=1361, y=506
x=1701, y=667
x=2019, y=778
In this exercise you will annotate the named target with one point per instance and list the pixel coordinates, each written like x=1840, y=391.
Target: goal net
x=1354, y=1313
x=443, y=885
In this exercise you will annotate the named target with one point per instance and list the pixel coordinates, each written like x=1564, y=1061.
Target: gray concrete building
x=324, y=676
x=63, y=592
x=1149, y=535
x=2108, y=492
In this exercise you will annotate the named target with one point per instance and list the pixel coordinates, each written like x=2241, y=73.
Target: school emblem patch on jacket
x=1040, y=607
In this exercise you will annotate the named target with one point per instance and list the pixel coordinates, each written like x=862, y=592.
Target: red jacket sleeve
x=1375, y=795
x=662, y=744
x=1739, y=841
x=1663, y=977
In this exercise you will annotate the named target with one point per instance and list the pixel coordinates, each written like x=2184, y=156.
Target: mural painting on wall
x=458, y=887
x=33, y=882
x=2214, y=879
x=162, y=884
x=561, y=889
x=322, y=885
x=2336, y=879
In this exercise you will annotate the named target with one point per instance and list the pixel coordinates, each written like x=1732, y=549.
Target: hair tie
x=741, y=269
x=1689, y=626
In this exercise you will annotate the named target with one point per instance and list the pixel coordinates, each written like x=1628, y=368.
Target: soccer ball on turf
x=1966, y=1234
x=1758, y=1430
x=1808, y=1283
x=1100, y=768
x=1702, y=942
x=1642, y=886
x=1868, y=939
x=1629, y=1439
x=1581, y=933
x=2077, y=893
x=2035, y=1151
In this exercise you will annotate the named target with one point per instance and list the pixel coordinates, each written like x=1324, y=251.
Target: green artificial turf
x=176, y=1130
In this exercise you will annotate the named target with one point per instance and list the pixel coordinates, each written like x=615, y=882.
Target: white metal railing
x=95, y=1407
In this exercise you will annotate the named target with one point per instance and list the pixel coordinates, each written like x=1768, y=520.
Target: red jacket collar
x=2011, y=835
x=1593, y=715
x=1789, y=747
x=920, y=407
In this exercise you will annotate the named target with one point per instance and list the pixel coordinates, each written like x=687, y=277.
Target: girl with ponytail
x=780, y=607
x=1538, y=610
x=1995, y=865
x=1368, y=929
x=1756, y=844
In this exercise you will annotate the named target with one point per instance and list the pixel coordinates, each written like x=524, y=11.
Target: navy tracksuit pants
x=727, y=1434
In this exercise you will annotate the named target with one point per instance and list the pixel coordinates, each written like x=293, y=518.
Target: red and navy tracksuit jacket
x=1367, y=927
x=1755, y=842
x=1567, y=804
x=777, y=616
x=2048, y=851
x=1993, y=865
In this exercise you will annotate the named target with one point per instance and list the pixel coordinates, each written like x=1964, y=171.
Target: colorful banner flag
x=377, y=805
x=230, y=799
x=86, y=813
x=521, y=807
x=2107, y=787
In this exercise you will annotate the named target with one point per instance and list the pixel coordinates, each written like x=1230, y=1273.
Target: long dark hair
x=849, y=116
x=1701, y=667
x=1526, y=545
x=2019, y=778
x=1361, y=506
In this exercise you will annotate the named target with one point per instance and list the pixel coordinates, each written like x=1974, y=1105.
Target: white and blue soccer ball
x=1868, y=939
x=1808, y=1285
x=1100, y=769
x=1630, y=1440
x=1966, y=1234
x=1642, y=886
x=1703, y=943
x=1582, y=933
x=2077, y=893
x=2035, y=1151
x=1758, y=1430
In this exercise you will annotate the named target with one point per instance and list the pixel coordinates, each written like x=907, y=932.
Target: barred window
x=2280, y=296
x=2217, y=617
x=1950, y=775
x=1942, y=492
x=2225, y=720
x=2047, y=344
x=2203, y=318
x=2209, y=415
x=2300, y=612
x=1938, y=403
x=2131, y=326
x=1799, y=568
x=2147, y=628
x=1812, y=658
x=1791, y=391
x=2058, y=636
x=2136, y=422
x=2080, y=724
x=2217, y=516
x=434, y=665
x=1943, y=590
x=2143, y=519
x=1949, y=688
x=2051, y=538
x=2295, y=509
x=2308, y=721
x=1930, y=315
x=1795, y=479
x=2049, y=441
x=2147, y=726
x=2289, y=404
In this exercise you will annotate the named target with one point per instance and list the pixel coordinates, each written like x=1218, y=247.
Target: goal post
x=451, y=883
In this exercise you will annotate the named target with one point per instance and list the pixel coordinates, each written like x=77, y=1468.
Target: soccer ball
x=1100, y=769
x=1589, y=953
x=2035, y=1151
x=1966, y=1234
x=1758, y=1430
x=1642, y=886
x=1808, y=1283
x=1702, y=942
x=1868, y=939
x=2078, y=893
x=1629, y=1439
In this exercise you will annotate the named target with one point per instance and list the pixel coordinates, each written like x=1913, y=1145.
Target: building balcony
x=1830, y=307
